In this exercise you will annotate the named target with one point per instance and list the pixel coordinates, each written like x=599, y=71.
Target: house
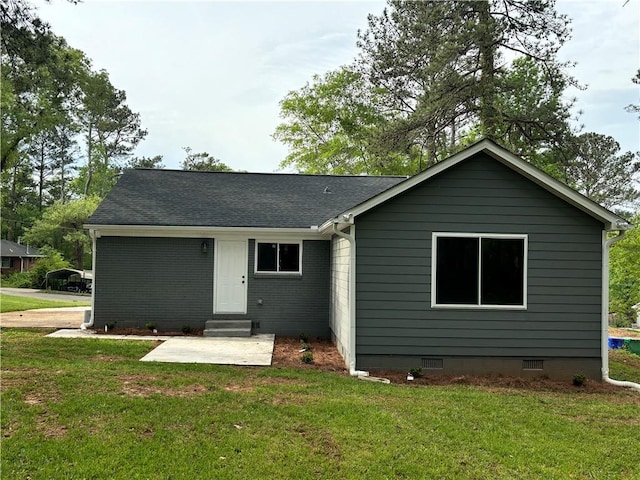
x=17, y=257
x=480, y=264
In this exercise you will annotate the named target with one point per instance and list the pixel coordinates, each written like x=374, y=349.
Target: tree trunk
x=41, y=167
x=487, y=84
x=89, y=160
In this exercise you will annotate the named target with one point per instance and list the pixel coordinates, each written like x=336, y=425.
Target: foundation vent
x=432, y=363
x=533, y=364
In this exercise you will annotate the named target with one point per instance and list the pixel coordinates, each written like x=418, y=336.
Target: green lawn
x=78, y=408
x=15, y=303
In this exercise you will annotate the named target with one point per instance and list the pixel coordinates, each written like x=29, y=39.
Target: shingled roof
x=13, y=249
x=224, y=199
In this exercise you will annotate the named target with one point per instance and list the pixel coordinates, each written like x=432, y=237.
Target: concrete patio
x=256, y=350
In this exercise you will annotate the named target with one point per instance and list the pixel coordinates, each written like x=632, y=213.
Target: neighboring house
x=480, y=264
x=17, y=257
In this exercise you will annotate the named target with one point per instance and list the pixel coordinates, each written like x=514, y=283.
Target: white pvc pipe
x=606, y=244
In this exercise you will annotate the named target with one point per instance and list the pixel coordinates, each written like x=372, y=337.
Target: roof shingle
x=228, y=199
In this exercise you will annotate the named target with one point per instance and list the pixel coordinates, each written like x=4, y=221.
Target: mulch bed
x=288, y=351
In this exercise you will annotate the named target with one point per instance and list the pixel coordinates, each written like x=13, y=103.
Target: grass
x=78, y=408
x=14, y=303
x=624, y=365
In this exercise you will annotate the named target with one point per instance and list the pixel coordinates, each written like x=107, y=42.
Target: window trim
x=480, y=236
x=277, y=272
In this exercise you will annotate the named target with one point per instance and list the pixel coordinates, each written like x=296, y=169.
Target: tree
x=61, y=228
x=202, y=162
x=19, y=200
x=331, y=127
x=430, y=75
x=146, y=162
x=624, y=279
x=40, y=75
x=600, y=172
x=443, y=66
x=111, y=132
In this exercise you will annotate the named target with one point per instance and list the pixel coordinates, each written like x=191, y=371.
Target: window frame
x=479, y=236
x=277, y=271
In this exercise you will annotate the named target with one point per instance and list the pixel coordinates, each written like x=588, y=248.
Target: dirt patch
x=624, y=332
x=60, y=318
x=287, y=352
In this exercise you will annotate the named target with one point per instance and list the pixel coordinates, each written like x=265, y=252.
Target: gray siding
x=394, y=314
x=292, y=304
x=168, y=281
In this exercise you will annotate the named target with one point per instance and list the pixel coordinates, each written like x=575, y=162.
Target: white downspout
x=94, y=235
x=606, y=244
x=352, y=295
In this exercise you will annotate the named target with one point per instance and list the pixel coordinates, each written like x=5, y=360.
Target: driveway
x=34, y=293
x=67, y=317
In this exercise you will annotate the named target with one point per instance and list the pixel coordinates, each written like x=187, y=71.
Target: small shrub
x=622, y=321
x=304, y=338
x=186, y=329
x=151, y=326
x=415, y=372
x=111, y=326
x=579, y=380
x=305, y=346
x=307, y=357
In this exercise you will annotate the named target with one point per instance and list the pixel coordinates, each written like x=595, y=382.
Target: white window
x=275, y=257
x=479, y=270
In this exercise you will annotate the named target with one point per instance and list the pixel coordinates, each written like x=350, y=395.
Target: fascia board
x=206, y=232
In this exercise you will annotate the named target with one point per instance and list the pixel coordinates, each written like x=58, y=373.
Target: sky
x=209, y=75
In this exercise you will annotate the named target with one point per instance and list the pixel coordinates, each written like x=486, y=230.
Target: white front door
x=230, y=282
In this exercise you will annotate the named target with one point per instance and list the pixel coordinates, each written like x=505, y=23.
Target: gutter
x=94, y=234
x=606, y=244
x=348, y=218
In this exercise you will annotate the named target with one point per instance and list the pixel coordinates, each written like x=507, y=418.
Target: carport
x=69, y=279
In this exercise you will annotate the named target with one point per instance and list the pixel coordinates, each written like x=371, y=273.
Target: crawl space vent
x=533, y=364
x=432, y=363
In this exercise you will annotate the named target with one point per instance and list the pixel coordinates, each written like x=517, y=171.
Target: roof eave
x=200, y=231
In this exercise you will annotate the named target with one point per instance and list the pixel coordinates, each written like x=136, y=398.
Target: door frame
x=245, y=243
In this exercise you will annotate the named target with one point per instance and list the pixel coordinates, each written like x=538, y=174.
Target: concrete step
x=228, y=323
x=227, y=332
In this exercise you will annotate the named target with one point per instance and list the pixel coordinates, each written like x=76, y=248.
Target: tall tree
x=19, y=200
x=202, y=162
x=40, y=75
x=111, y=131
x=599, y=171
x=430, y=76
x=443, y=64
